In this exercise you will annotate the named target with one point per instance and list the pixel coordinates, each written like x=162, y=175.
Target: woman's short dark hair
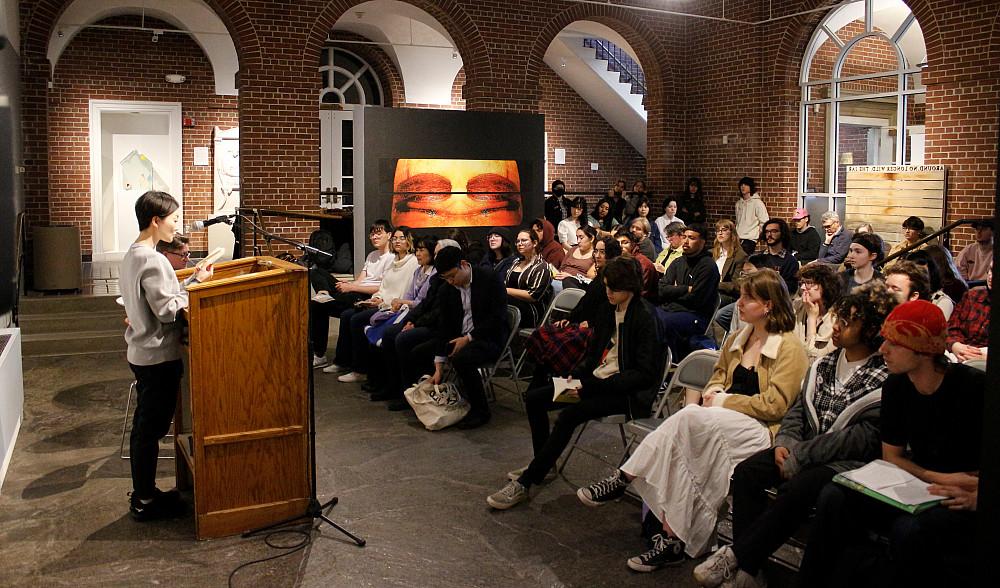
x=749, y=182
x=612, y=248
x=914, y=222
x=506, y=247
x=696, y=181
x=623, y=274
x=581, y=203
x=380, y=225
x=640, y=201
x=872, y=243
x=825, y=275
x=429, y=243
x=765, y=284
x=871, y=303
x=154, y=204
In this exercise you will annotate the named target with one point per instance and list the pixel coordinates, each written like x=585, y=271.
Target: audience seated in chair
x=176, y=251
x=352, y=354
x=528, y=281
x=805, y=237
x=471, y=330
x=863, y=257
x=567, y=227
x=951, y=280
x=832, y=427
x=977, y=257
x=578, y=267
x=969, y=325
x=641, y=230
x=729, y=257
x=603, y=219
x=931, y=426
x=668, y=217
x=836, y=242
x=364, y=285
x=937, y=294
x=913, y=231
x=617, y=376
x=688, y=293
x=908, y=281
x=650, y=278
x=500, y=251
x=682, y=469
x=673, y=250
x=778, y=253
x=550, y=250
x=814, y=311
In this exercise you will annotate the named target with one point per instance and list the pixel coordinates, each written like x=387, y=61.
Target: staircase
x=619, y=61
x=71, y=325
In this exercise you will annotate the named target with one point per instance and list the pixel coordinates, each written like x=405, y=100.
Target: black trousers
x=549, y=445
x=353, y=348
x=934, y=548
x=760, y=526
x=398, y=368
x=156, y=399
x=319, y=318
x=748, y=245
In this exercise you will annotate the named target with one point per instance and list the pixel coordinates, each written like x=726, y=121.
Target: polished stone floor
x=416, y=496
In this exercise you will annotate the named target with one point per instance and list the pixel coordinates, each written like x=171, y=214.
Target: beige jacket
x=783, y=364
x=821, y=342
x=751, y=214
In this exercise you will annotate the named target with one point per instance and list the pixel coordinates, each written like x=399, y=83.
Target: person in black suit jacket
x=471, y=329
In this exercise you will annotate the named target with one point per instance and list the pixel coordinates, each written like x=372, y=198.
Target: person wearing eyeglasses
x=821, y=288
x=176, y=251
x=837, y=239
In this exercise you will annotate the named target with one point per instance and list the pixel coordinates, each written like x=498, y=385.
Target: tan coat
x=783, y=364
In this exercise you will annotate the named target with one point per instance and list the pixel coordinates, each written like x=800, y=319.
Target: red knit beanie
x=917, y=325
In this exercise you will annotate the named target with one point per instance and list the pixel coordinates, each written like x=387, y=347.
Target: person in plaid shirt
x=969, y=325
x=832, y=427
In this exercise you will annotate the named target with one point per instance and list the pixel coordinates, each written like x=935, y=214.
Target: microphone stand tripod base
x=315, y=510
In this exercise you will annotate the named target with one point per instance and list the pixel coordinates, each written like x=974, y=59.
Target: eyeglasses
x=828, y=226
x=808, y=285
x=185, y=255
x=522, y=241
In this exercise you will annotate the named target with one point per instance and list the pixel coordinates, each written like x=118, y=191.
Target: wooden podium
x=244, y=408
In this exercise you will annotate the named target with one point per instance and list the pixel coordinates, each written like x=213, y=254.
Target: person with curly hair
x=821, y=288
x=831, y=427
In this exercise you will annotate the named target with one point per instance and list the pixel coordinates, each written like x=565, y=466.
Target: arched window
x=347, y=79
x=862, y=97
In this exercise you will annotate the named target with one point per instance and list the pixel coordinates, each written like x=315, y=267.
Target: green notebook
x=890, y=484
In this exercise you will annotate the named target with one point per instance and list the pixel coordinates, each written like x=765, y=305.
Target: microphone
x=203, y=224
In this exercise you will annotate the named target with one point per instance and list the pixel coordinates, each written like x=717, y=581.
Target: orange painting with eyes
x=456, y=193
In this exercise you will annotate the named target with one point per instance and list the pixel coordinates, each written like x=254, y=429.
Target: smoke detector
x=175, y=78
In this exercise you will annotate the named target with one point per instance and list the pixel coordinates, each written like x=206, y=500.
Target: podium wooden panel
x=244, y=408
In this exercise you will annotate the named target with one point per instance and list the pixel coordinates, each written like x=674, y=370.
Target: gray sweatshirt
x=153, y=298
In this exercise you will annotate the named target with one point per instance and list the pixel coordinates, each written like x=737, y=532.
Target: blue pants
x=676, y=328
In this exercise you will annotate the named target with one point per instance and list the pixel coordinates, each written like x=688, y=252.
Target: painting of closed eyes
x=456, y=193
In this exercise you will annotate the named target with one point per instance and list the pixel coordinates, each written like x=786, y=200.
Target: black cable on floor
x=306, y=539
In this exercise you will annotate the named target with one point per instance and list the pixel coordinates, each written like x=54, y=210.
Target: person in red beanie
x=932, y=428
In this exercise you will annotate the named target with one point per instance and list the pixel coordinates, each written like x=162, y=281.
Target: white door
x=135, y=147
x=337, y=151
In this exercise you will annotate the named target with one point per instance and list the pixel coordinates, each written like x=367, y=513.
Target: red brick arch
x=44, y=14
x=462, y=29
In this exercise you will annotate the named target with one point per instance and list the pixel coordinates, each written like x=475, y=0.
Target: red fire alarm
x=188, y=123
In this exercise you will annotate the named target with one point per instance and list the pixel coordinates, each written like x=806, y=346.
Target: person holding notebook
x=935, y=408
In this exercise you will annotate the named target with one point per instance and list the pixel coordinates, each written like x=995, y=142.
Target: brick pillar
x=35, y=76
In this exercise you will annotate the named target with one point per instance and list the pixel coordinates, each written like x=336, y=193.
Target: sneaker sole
x=590, y=502
x=501, y=505
x=638, y=567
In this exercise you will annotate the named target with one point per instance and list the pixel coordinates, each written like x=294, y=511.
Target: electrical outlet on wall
x=593, y=167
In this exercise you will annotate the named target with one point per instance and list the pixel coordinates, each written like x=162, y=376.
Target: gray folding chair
x=693, y=371
x=616, y=419
x=563, y=303
x=487, y=372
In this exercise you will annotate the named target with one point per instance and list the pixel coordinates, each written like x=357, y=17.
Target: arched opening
x=592, y=91
x=150, y=95
x=862, y=96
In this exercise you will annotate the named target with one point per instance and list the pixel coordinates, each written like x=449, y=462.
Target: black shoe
x=611, y=488
x=398, y=404
x=163, y=505
x=369, y=386
x=473, y=420
x=666, y=551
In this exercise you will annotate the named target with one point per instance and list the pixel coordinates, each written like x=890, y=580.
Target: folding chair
x=616, y=419
x=563, y=303
x=693, y=371
x=125, y=429
x=487, y=372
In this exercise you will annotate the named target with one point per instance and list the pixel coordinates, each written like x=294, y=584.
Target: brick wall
x=101, y=64
x=571, y=124
x=708, y=79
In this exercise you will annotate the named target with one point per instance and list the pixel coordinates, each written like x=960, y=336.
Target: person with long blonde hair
x=729, y=257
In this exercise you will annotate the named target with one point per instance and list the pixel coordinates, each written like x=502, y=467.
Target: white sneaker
x=352, y=377
x=745, y=580
x=720, y=567
x=319, y=361
x=333, y=369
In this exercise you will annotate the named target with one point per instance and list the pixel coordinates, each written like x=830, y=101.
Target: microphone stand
x=315, y=510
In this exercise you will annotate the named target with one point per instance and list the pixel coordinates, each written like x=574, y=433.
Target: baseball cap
x=800, y=213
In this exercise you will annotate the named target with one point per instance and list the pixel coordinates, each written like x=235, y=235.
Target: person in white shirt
x=568, y=226
x=669, y=216
x=751, y=214
x=348, y=292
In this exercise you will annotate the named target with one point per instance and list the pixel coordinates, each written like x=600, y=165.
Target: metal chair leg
x=128, y=404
